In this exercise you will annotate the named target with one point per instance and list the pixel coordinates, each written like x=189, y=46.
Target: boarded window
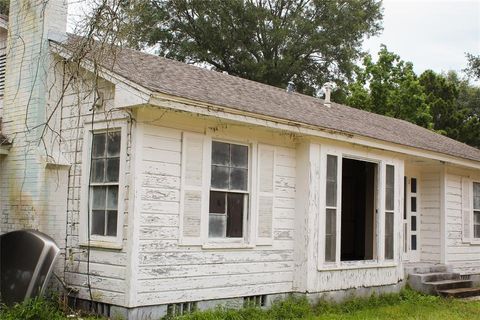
x=228, y=190
x=389, y=211
x=476, y=210
x=104, y=176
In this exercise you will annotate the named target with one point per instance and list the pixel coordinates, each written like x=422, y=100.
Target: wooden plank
x=181, y=258
x=212, y=293
x=212, y=281
x=161, y=272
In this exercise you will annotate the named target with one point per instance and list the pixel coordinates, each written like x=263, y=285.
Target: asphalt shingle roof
x=175, y=78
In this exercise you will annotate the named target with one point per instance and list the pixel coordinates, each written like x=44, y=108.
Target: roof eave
x=183, y=104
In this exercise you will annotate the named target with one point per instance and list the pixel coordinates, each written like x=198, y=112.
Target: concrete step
x=436, y=286
x=460, y=292
x=434, y=276
x=416, y=269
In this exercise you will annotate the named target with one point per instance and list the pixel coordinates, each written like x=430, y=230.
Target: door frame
x=412, y=224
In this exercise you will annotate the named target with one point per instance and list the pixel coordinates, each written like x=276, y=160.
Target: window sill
x=357, y=265
x=102, y=245
x=227, y=245
x=475, y=242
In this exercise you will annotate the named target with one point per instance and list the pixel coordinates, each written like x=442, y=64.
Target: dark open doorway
x=358, y=210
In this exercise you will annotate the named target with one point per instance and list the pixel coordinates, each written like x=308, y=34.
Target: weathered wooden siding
x=107, y=267
x=167, y=272
x=461, y=256
x=430, y=219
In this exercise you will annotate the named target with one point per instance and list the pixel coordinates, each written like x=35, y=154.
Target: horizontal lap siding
x=463, y=257
x=107, y=268
x=168, y=272
x=430, y=216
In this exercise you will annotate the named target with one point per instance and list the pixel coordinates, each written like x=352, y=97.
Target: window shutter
x=266, y=188
x=192, y=192
x=466, y=210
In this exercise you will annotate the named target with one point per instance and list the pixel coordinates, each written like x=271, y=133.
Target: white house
x=171, y=187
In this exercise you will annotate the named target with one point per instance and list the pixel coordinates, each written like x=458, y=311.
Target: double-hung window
x=104, y=183
x=229, y=195
x=476, y=210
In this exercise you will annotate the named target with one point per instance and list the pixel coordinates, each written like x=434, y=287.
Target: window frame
x=110, y=242
x=382, y=161
x=475, y=211
x=249, y=217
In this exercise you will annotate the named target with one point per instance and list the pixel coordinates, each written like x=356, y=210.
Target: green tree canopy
x=473, y=68
x=269, y=41
x=442, y=102
x=389, y=87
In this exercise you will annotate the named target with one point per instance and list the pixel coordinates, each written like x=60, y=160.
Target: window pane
x=235, y=206
x=98, y=145
x=413, y=188
x=476, y=231
x=476, y=195
x=476, y=217
x=112, y=197
x=98, y=197
x=414, y=223
x=220, y=153
x=413, y=203
x=98, y=170
x=405, y=237
x=98, y=222
x=331, y=181
x=238, y=179
x=113, y=144
x=389, y=235
x=113, y=170
x=219, y=178
x=414, y=242
x=330, y=235
x=239, y=156
x=112, y=223
x=389, y=188
x=217, y=225
x=217, y=202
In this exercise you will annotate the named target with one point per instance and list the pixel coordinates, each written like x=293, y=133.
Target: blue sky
x=431, y=34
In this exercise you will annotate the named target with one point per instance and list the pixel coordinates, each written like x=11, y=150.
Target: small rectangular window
x=413, y=187
x=414, y=223
x=104, y=177
x=228, y=190
x=414, y=242
x=413, y=204
x=476, y=210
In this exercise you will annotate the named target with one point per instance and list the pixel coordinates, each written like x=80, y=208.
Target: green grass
x=406, y=305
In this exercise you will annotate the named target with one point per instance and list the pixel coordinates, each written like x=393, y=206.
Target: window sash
x=476, y=224
x=109, y=222
x=245, y=192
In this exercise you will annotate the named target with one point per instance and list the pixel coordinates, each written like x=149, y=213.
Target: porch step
x=460, y=292
x=427, y=268
x=448, y=284
x=434, y=276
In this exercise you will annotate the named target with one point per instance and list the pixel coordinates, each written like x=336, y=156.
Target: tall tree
x=269, y=41
x=390, y=87
x=473, y=68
